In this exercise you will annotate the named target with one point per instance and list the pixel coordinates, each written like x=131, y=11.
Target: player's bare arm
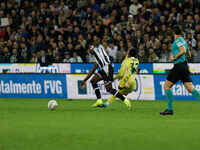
x=138, y=70
x=182, y=51
x=89, y=75
x=188, y=54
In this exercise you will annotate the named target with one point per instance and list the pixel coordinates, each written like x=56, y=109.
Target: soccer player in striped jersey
x=105, y=73
x=127, y=73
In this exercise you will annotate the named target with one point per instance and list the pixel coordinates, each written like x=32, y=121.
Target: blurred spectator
x=171, y=21
x=98, y=32
x=189, y=22
x=24, y=58
x=181, y=21
x=163, y=58
x=191, y=59
x=197, y=56
x=134, y=7
x=190, y=40
x=80, y=50
x=121, y=46
x=57, y=59
x=94, y=6
x=196, y=20
x=62, y=49
x=143, y=57
x=63, y=6
x=33, y=58
x=111, y=7
x=2, y=33
x=103, y=10
x=15, y=57
x=89, y=56
x=40, y=44
x=6, y=55
x=67, y=58
x=112, y=49
x=43, y=58
x=62, y=17
x=153, y=57
x=43, y=25
x=76, y=58
x=82, y=41
x=38, y=55
x=23, y=32
x=119, y=57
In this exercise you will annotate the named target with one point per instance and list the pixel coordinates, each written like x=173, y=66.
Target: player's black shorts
x=180, y=72
x=106, y=73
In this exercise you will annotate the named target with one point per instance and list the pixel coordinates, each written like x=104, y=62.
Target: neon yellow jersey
x=128, y=67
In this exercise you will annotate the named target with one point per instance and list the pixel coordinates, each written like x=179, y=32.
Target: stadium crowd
x=54, y=31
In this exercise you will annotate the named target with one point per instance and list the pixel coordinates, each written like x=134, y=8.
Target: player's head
x=91, y=48
x=177, y=30
x=132, y=52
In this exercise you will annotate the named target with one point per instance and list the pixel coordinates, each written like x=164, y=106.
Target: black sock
x=117, y=94
x=96, y=90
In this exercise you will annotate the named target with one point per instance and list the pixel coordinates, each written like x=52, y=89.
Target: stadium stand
x=48, y=31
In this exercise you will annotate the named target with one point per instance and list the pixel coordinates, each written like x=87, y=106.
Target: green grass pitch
x=27, y=124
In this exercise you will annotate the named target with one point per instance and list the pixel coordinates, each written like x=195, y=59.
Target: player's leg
x=128, y=86
x=190, y=88
x=187, y=82
x=95, y=86
x=114, y=91
x=112, y=99
x=168, y=93
x=172, y=78
x=169, y=97
x=118, y=95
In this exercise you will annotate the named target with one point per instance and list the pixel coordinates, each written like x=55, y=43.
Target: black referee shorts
x=179, y=72
x=106, y=73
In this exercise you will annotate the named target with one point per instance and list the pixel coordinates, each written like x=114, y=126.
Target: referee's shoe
x=167, y=112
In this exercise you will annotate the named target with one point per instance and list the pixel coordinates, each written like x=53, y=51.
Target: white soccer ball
x=52, y=104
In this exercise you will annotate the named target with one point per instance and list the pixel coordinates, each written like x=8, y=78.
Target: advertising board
x=163, y=68
x=178, y=90
x=144, y=88
x=33, y=86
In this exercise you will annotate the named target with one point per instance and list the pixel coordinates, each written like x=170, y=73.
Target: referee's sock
x=196, y=94
x=169, y=98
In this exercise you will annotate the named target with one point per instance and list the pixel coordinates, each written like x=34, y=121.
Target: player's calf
x=115, y=93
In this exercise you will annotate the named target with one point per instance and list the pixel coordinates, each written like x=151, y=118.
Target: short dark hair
x=177, y=30
x=133, y=52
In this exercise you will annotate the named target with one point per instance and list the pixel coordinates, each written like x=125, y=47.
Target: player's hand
x=83, y=84
x=138, y=70
x=172, y=58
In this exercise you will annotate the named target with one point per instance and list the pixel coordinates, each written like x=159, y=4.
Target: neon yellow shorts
x=128, y=85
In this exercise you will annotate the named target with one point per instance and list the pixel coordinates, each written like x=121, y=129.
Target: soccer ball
x=52, y=104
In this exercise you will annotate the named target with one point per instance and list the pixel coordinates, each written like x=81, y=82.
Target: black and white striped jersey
x=101, y=57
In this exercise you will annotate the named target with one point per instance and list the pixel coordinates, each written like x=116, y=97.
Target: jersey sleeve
x=179, y=44
x=121, y=71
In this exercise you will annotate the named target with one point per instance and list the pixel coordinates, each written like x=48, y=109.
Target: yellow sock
x=111, y=99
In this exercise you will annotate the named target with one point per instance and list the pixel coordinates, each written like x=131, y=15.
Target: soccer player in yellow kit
x=127, y=73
